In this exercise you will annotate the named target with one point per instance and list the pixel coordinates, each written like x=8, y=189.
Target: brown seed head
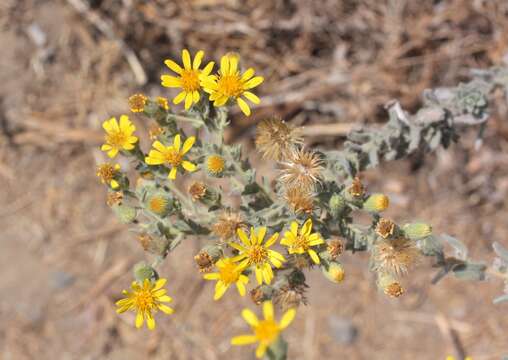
x=114, y=198
x=290, y=297
x=302, y=170
x=394, y=289
x=299, y=200
x=385, y=228
x=395, y=256
x=335, y=248
x=204, y=261
x=227, y=224
x=275, y=139
x=356, y=188
x=197, y=190
x=257, y=295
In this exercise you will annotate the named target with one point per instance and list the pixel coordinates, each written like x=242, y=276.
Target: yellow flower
x=172, y=155
x=162, y=102
x=106, y=172
x=145, y=299
x=254, y=252
x=118, y=136
x=215, y=164
x=188, y=77
x=229, y=273
x=450, y=357
x=230, y=84
x=265, y=331
x=137, y=103
x=301, y=242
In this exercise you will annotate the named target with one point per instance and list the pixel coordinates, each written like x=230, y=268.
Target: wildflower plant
x=301, y=221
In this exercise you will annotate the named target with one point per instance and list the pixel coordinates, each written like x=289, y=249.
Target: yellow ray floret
x=230, y=84
x=188, y=77
x=300, y=242
x=229, y=274
x=172, y=156
x=254, y=253
x=118, y=135
x=266, y=331
x=146, y=299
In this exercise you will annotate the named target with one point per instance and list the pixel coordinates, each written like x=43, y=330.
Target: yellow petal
x=244, y=340
x=113, y=152
x=159, y=284
x=220, y=289
x=197, y=59
x=195, y=97
x=114, y=184
x=306, y=228
x=164, y=298
x=211, y=276
x=186, y=59
x=126, y=125
x=233, y=64
x=247, y=74
x=208, y=68
x=188, y=100
x=237, y=247
x=190, y=167
x=224, y=65
x=172, y=173
x=187, y=145
x=314, y=256
x=150, y=322
x=139, y=319
x=261, y=234
x=268, y=310
x=241, y=288
x=159, y=146
x=252, y=97
x=243, y=106
x=252, y=83
x=287, y=318
x=179, y=98
x=267, y=273
x=177, y=142
x=243, y=237
x=272, y=240
x=250, y=317
x=106, y=147
x=166, y=309
x=170, y=81
x=259, y=275
x=260, y=351
x=173, y=66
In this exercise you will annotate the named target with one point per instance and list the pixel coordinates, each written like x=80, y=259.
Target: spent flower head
x=302, y=170
x=276, y=139
x=137, y=102
x=107, y=173
x=172, y=156
x=187, y=78
x=395, y=256
x=146, y=299
x=265, y=331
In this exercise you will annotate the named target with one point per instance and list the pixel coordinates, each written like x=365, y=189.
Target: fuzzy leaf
x=500, y=299
x=501, y=251
x=459, y=247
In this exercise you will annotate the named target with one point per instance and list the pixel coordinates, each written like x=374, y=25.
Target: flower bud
x=159, y=203
x=417, y=231
x=144, y=271
x=125, y=214
x=154, y=244
x=334, y=272
x=376, y=203
x=215, y=165
x=337, y=204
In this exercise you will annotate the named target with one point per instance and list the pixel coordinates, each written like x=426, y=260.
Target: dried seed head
x=385, y=228
x=137, y=102
x=299, y=200
x=356, y=188
x=394, y=289
x=227, y=224
x=197, y=190
x=154, y=131
x=144, y=240
x=396, y=256
x=204, y=261
x=114, y=198
x=302, y=170
x=335, y=248
x=275, y=139
x=289, y=297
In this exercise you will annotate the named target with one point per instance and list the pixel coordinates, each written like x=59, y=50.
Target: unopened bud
x=417, y=231
x=125, y=214
x=337, y=204
x=144, y=271
x=334, y=272
x=376, y=203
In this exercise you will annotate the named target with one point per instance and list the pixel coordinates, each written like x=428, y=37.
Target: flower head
x=335, y=248
x=204, y=261
x=227, y=224
x=385, y=228
x=137, y=103
x=265, y=331
x=376, y=203
x=114, y=198
x=197, y=190
x=230, y=84
x=300, y=242
x=254, y=253
x=215, y=164
x=229, y=273
x=395, y=256
x=118, y=135
x=275, y=139
x=146, y=299
x=162, y=102
x=107, y=172
x=172, y=156
x=188, y=77
x=303, y=170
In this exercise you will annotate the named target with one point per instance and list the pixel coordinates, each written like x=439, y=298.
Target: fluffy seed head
x=299, y=200
x=275, y=139
x=396, y=256
x=302, y=170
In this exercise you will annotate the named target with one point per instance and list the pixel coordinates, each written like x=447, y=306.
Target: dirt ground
x=64, y=258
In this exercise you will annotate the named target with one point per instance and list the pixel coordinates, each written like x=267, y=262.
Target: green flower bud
x=154, y=244
x=417, y=231
x=376, y=203
x=334, y=272
x=144, y=271
x=125, y=214
x=337, y=204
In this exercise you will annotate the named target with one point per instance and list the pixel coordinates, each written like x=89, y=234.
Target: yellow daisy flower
x=172, y=155
x=188, y=77
x=162, y=102
x=230, y=84
x=146, y=299
x=118, y=136
x=106, y=172
x=265, y=331
x=254, y=252
x=301, y=242
x=229, y=273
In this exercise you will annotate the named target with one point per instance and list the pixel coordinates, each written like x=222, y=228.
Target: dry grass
x=328, y=64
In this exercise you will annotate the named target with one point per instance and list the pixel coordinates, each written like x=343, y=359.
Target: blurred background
x=330, y=65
